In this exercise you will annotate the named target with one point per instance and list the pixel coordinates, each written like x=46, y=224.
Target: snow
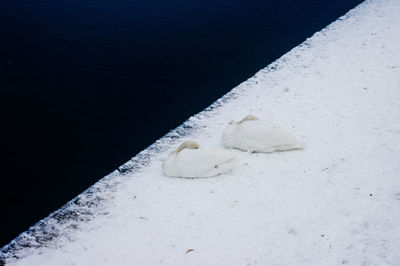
x=335, y=202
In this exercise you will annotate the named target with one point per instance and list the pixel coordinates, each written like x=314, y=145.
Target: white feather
x=252, y=134
x=198, y=162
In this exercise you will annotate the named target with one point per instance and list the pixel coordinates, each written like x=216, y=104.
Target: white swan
x=253, y=134
x=189, y=160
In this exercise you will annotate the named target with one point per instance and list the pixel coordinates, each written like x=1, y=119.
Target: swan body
x=253, y=134
x=189, y=160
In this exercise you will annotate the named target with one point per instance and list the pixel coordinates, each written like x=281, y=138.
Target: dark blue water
x=85, y=85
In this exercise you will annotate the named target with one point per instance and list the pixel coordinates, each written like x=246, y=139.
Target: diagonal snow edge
x=87, y=204
x=93, y=202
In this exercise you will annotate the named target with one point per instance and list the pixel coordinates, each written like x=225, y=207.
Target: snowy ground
x=335, y=202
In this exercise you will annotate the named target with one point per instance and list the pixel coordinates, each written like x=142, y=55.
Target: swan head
x=248, y=118
x=187, y=145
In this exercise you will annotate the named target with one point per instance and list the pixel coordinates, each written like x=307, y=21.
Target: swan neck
x=248, y=118
x=187, y=145
x=180, y=148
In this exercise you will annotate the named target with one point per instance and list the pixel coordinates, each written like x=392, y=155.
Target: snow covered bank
x=336, y=202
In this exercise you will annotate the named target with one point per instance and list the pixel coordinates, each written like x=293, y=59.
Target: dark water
x=85, y=85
